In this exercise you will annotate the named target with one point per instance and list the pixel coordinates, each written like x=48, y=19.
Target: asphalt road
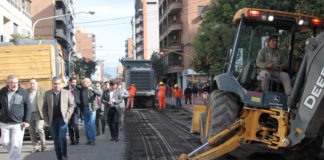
x=159, y=135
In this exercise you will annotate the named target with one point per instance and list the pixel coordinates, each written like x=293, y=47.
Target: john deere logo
x=276, y=99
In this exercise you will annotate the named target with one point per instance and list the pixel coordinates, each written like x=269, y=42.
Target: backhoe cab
x=240, y=116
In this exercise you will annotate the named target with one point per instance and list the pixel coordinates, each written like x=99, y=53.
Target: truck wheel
x=224, y=111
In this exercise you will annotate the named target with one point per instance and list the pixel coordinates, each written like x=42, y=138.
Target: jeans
x=113, y=118
x=12, y=138
x=58, y=130
x=178, y=102
x=90, y=125
x=74, y=126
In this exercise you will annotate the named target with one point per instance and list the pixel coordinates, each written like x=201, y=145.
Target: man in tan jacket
x=57, y=110
x=271, y=62
x=36, y=95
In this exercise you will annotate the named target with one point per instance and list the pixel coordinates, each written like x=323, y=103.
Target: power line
x=111, y=19
x=148, y=14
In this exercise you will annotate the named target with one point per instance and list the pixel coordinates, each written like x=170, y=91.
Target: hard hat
x=133, y=84
x=176, y=85
x=161, y=83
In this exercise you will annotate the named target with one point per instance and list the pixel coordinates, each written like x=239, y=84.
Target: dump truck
x=243, y=121
x=31, y=59
x=141, y=74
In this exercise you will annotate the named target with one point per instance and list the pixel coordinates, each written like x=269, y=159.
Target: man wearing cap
x=177, y=93
x=132, y=93
x=271, y=62
x=161, y=95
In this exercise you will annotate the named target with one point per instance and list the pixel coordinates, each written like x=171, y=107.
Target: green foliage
x=15, y=36
x=216, y=33
x=84, y=69
x=211, y=46
x=157, y=64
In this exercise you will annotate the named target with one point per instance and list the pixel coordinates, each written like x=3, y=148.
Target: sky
x=111, y=24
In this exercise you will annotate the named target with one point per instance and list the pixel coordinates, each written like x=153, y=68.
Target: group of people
x=59, y=108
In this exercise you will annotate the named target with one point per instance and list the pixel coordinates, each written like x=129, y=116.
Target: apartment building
x=60, y=28
x=179, y=21
x=99, y=74
x=146, y=28
x=15, y=19
x=85, y=44
x=129, y=48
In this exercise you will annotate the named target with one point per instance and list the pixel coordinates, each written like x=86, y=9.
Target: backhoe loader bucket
x=197, y=109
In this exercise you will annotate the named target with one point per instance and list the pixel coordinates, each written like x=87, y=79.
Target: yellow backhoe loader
x=241, y=120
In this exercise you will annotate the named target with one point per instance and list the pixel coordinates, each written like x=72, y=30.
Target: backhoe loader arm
x=247, y=129
x=309, y=115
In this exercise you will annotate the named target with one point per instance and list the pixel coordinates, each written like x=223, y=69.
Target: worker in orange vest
x=161, y=95
x=131, y=92
x=177, y=93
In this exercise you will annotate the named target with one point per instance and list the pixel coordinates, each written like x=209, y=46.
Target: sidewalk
x=103, y=149
x=188, y=107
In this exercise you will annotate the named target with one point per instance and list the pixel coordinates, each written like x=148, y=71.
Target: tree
x=84, y=69
x=157, y=64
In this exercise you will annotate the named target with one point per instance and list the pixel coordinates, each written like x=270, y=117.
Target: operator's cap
x=161, y=83
x=176, y=85
x=273, y=36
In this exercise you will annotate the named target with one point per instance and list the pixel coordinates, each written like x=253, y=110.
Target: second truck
x=141, y=74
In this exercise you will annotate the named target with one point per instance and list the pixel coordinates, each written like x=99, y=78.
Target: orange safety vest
x=132, y=91
x=162, y=91
x=177, y=93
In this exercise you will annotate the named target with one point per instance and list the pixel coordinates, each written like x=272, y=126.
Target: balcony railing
x=171, y=27
x=61, y=34
x=139, y=49
x=171, y=7
x=139, y=29
x=139, y=20
x=175, y=45
x=139, y=39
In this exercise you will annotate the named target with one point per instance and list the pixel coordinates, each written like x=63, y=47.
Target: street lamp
x=188, y=55
x=46, y=18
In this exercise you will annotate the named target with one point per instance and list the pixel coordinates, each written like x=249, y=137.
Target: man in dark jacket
x=15, y=116
x=188, y=93
x=74, y=121
x=112, y=98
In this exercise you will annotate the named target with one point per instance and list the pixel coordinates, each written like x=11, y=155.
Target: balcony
x=60, y=12
x=60, y=35
x=61, y=3
x=139, y=20
x=139, y=29
x=175, y=45
x=139, y=48
x=172, y=8
x=174, y=63
x=139, y=39
x=173, y=27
